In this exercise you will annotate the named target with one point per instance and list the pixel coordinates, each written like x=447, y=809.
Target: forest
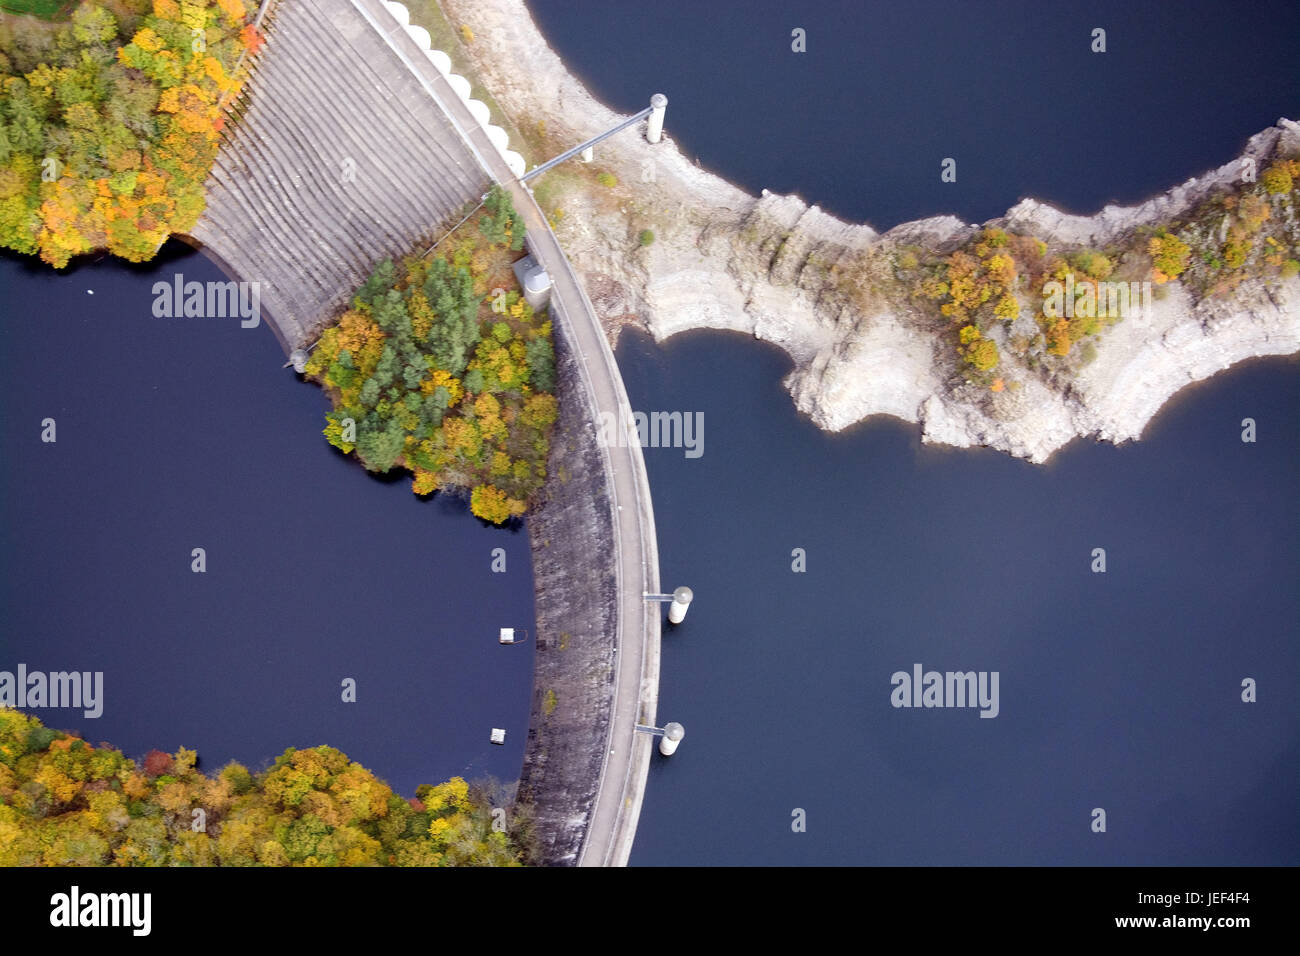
x=64, y=802
x=441, y=367
x=110, y=121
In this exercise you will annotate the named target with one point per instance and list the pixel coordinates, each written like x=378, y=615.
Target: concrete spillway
x=335, y=159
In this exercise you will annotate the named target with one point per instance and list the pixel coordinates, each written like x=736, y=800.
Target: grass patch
x=551, y=187
x=43, y=9
x=550, y=703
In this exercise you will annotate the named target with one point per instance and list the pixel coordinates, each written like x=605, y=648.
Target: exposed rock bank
x=774, y=267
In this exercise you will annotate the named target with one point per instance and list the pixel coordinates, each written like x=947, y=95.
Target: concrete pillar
x=656, y=128
x=681, y=600
x=588, y=154
x=673, y=734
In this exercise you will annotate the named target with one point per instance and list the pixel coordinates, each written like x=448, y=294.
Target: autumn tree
x=501, y=224
x=1278, y=178
x=157, y=763
x=1169, y=256
x=492, y=504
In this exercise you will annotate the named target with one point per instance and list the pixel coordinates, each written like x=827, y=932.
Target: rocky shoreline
x=768, y=266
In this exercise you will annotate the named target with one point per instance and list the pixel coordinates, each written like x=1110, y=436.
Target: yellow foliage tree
x=1169, y=256
x=489, y=503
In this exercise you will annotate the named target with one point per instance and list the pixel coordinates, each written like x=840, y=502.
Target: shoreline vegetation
x=110, y=122
x=442, y=367
x=64, y=802
x=1005, y=288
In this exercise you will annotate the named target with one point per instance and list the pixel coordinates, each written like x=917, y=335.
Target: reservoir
x=1118, y=690
x=183, y=433
x=1010, y=89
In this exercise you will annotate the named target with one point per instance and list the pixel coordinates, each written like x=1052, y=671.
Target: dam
x=350, y=145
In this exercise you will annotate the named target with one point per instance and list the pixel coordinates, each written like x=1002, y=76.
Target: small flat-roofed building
x=534, y=281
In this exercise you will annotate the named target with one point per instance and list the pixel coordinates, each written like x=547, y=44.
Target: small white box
x=498, y=735
x=507, y=635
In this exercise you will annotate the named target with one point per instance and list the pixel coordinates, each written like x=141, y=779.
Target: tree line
x=64, y=802
x=977, y=291
x=441, y=367
x=109, y=123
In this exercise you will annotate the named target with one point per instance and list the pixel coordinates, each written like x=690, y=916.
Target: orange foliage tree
x=108, y=143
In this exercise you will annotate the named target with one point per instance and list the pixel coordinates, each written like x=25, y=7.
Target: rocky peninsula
x=844, y=301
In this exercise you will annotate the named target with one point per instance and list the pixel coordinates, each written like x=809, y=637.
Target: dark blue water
x=1118, y=690
x=182, y=433
x=886, y=90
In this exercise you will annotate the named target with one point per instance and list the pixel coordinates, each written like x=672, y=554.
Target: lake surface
x=1119, y=691
x=175, y=434
x=860, y=122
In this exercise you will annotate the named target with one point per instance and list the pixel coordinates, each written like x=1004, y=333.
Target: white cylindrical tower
x=299, y=359
x=681, y=601
x=673, y=734
x=656, y=128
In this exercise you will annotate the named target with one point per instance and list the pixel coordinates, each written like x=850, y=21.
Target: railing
x=587, y=145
